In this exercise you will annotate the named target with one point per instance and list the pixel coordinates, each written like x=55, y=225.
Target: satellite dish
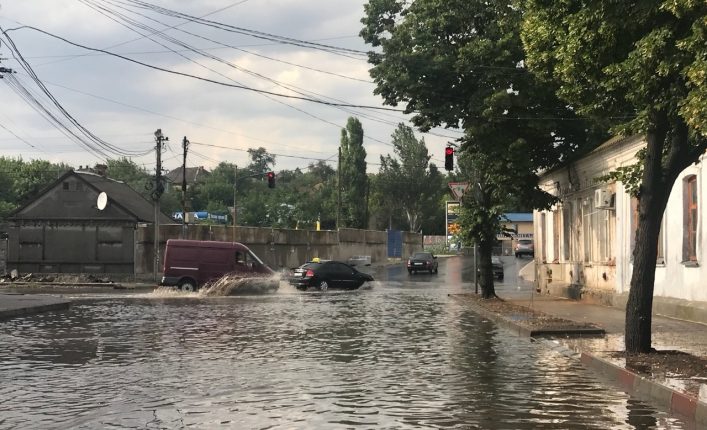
x=102, y=201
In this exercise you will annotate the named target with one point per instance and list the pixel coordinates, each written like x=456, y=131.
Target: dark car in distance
x=524, y=247
x=324, y=275
x=497, y=267
x=422, y=262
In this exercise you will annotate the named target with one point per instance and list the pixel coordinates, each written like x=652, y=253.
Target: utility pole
x=235, y=210
x=156, y=194
x=185, y=146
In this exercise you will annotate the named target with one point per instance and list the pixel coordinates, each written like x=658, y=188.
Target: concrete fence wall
x=278, y=248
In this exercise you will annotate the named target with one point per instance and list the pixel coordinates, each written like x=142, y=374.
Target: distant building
x=193, y=176
x=62, y=229
x=519, y=225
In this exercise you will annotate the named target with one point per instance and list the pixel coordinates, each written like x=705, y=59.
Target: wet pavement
x=399, y=354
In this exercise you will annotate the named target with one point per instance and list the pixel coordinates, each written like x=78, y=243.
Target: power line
x=18, y=137
x=225, y=84
x=252, y=33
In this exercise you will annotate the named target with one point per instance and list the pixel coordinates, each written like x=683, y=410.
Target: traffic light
x=271, y=179
x=449, y=158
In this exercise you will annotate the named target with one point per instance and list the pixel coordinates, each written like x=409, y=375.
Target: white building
x=583, y=245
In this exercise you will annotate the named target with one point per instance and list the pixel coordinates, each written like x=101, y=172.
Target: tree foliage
x=642, y=67
x=24, y=180
x=125, y=170
x=459, y=63
x=408, y=181
x=354, y=182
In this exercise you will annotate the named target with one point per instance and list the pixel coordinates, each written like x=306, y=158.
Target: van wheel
x=187, y=285
x=323, y=286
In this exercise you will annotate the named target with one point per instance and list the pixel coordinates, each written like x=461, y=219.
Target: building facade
x=584, y=244
x=67, y=229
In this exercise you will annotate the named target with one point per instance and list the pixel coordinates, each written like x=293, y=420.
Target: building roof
x=121, y=193
x=193, y=174
x=519, y=217
x=132, y=204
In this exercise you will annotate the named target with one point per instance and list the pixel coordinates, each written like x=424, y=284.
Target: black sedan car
x=327, y=274
x=497, y=266
x=422, y=261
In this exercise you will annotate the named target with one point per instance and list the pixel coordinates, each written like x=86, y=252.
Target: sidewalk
x=15, y=305
x=679, y=393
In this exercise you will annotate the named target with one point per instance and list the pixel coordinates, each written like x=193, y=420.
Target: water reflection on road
x=400, y=354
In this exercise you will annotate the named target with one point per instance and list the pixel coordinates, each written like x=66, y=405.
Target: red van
x=189, y=264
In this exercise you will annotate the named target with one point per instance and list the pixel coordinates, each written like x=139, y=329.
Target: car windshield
x=422, y=256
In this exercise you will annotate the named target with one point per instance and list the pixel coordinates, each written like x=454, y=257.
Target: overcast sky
x=124, y=103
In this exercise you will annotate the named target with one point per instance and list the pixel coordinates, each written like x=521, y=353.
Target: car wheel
x=323, y=286
x=188, y=286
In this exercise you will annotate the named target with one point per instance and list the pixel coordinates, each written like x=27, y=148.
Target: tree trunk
x=654, y=192
x=485, y=269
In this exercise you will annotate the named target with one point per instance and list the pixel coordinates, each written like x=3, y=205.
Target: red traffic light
x=449, y=158
x=271, y=179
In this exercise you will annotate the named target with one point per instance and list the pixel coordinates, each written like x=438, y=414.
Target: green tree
x=216, y=191
x=459, y=63
x=409, y=181
x=641, y=65
x=261, y=160
x=354, y=182
x=125, y=170
x=24, y=180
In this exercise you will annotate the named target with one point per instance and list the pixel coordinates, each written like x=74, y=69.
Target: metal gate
x=395, y=244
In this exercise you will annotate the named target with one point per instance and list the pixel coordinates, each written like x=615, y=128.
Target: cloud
x=125, y=103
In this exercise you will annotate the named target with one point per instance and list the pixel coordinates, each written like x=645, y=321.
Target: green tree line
x=408, y=192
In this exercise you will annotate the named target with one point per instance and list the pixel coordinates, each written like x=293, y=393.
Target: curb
x=521, y=330
x=674, y=400
x=6, y=314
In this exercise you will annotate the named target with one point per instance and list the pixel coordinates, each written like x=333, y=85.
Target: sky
x=123, y=103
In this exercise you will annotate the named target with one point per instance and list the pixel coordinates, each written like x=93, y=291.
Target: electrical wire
x=252, y=33
x=82, y=135
x=174, y=72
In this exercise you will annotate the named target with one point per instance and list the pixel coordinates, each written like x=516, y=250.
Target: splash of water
x=233, y=285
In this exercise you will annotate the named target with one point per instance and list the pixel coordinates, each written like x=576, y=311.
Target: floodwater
x=398, y=354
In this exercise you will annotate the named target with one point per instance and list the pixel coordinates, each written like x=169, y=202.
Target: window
x=65, y=186
x=567, y=230
x=240, y=257
x=690, y=219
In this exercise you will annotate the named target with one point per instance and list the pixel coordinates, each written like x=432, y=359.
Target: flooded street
x=397, y=354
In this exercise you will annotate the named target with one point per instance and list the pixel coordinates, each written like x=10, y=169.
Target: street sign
x=458, y=189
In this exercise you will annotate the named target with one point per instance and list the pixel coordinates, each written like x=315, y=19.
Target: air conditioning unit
x=603, y=199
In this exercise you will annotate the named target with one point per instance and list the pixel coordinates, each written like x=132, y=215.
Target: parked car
x=422, y=261
x=189, y=264
x=497, y=266
x=525, y=247
x=327, y=274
